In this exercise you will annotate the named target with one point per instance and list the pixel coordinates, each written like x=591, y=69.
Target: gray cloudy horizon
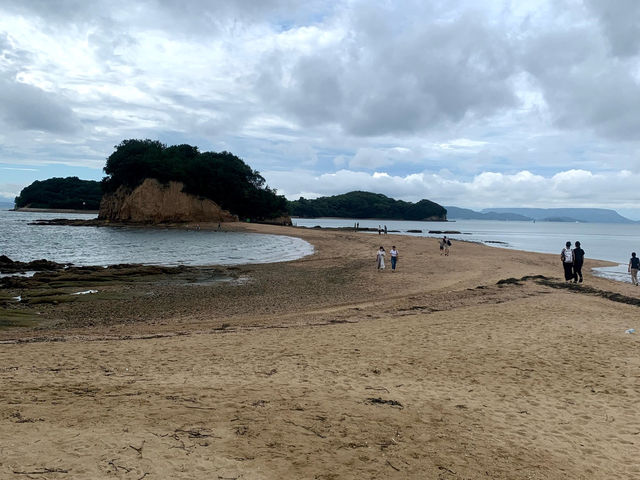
x=503, y=103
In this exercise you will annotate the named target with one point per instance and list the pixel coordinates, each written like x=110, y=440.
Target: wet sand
x=450, y=368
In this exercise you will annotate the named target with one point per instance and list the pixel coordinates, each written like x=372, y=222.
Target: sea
x=19, y=240
x=613, y=242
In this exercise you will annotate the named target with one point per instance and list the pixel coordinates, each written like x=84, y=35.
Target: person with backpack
x=567, y=262
x=578, y=261
x=447, y=244
x=634, y=265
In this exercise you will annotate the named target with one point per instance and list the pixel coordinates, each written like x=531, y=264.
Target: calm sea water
x=154, y=246
x=612, y=242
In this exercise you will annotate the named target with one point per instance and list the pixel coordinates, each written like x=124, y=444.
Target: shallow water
x=152, y=246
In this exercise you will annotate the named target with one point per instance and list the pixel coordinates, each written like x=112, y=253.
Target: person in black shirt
x=634, y=265
x=578, y=261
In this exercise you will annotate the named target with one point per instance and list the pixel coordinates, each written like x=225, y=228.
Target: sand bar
x=325, y=368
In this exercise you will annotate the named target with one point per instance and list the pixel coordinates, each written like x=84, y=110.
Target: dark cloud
x=583, y=87
x=381, y=79
x=620, y=22
x=27, y=107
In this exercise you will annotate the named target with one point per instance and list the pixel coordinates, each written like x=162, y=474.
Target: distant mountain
x=466, y=214
x=366, y=205
x=588, y=215
x=6, y=205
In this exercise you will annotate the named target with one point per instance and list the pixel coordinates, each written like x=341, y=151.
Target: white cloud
x=577, y=188
x=531, y=101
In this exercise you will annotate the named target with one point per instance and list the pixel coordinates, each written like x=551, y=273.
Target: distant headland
x=360, y=204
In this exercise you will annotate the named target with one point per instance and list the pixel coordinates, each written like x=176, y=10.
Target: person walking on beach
x=578, y=261
x=394, y=258
x=567, y=262
x=443, y=244
x=380, y=259
x=447, y=246
x=385, y=229
x=634, y=265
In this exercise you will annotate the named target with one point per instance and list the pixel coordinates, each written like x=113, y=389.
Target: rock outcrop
x=153, y=202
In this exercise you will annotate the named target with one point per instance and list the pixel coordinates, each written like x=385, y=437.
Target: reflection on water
x=154, y=246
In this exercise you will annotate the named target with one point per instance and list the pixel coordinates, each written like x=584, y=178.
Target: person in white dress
x=380, y=259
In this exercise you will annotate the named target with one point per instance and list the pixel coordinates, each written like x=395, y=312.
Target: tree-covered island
x=367, y=205
x=61, y=193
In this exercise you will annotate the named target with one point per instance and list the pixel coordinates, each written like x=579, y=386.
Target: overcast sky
x=466, y=103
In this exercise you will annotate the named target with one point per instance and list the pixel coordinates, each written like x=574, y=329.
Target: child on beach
x=380, y=259
x=634, y=265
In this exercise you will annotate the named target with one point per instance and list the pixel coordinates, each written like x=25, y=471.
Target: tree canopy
x=61, y=193
x=218, y=176
x=366, y=205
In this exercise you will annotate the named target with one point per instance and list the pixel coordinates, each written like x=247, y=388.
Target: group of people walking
x=380, y=258
x=572, y=261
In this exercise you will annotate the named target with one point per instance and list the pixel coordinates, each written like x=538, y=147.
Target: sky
x=523, y=103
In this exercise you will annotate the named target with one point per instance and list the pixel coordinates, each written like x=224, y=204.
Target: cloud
x=571, y=188
x=30, y=108
x=372, y=78
x=9, y=191
x=444, y=99
x=620, y=22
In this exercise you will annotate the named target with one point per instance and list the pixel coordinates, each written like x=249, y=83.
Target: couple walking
x=572, y=261
x=380, y=258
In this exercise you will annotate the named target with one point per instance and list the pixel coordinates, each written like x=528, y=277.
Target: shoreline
x=483, y=364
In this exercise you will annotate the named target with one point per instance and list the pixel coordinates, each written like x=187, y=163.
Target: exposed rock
x=153, y=202
x=10, y=266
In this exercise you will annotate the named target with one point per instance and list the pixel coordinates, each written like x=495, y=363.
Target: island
x=359, y=204
x=70, y=193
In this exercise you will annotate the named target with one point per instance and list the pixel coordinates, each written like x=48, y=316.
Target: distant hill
x=6, y=205
x=366, y=205
x=466, y=214
x=61, y=193
x=587, y=215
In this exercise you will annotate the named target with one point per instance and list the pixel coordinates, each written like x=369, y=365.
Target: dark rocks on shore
x=445, y=232
x=95, y=274
x=10, y=266
x=74, y=222
x=414, y=231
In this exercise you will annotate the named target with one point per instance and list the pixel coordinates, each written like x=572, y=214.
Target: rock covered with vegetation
x=61, y=193
x=185, y=177
x=367, y=205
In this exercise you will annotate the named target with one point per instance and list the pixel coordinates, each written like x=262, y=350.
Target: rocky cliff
x=153, y=202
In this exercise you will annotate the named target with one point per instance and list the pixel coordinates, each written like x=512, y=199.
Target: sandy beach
x=483, y=364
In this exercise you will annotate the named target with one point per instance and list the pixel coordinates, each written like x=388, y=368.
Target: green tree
x=219, y=176
x=65, y=193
